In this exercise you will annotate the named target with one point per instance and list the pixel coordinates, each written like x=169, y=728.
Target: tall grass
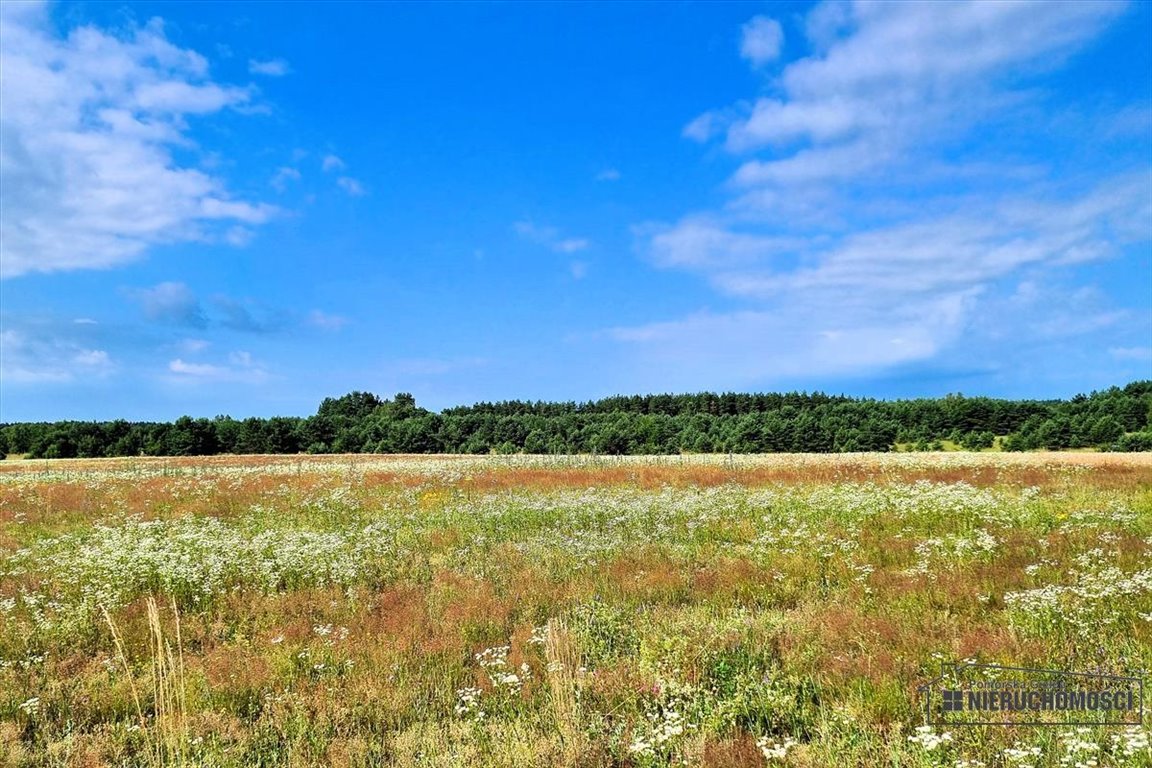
x=521, y=611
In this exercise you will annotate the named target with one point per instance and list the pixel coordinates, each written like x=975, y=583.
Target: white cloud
x=195, y=369
x=29, y=358
x=853, y=238
x=608, y=174
x=703, y=243
x=351, y=186
x=704, y=127
x=761, y=39
x=805, y=336
x=194, y=346
x=908, y=69
x=86, y=137
x=550, y=237
x=92, y=359
x=282, y=176
x=570, y=245
x=326, y=321
x=332, y=163
x=241, y=367
x=270, y=68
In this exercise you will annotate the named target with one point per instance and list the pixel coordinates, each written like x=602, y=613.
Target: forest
x=1115, y=419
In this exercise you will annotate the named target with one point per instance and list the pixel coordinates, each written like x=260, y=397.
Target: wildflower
x=1021, y=756
x=1131, y=740
x=467, y=701
x=31, y=706
x=927, y=737
x=774, y=750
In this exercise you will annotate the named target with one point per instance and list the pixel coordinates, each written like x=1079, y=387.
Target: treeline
x=1117, y=419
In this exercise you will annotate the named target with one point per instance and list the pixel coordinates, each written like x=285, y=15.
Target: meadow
x=516, y=610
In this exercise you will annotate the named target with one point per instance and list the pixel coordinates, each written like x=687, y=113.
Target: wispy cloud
x=88, y=129
x=352, y=186
x=549, y=237
x=174, y=303
x=194, y=346
x=26, y=358
x=240, y=367
x=899, y=73
x=1131, y=353
x=761, y=39
x=171, y=302
x=269, y=67
x=608, y=174
x=326, y=321
x=247, y=317
x=859, y=241
x=283, y=176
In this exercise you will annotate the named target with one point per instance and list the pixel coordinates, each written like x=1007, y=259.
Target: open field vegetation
x=566, y=611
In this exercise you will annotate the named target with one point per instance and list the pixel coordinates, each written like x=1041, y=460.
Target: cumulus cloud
x=87, y=133
x=332, y=163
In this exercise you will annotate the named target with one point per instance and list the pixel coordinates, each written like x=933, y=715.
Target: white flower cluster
x=1079, y=750
x=773, y=749
x=494, y=662
x=927, y=737
x=1132, y=741
x=199, y=558
x=1022, y=756
x=1097, y=597
x=468, y=703
x=666, y=719
x=662, y=729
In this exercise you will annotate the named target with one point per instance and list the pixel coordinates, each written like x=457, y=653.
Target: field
x=521, y=611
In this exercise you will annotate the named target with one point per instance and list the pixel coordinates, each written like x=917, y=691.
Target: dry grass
x=753, y=597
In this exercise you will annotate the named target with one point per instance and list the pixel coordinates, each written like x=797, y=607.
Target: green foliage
x=360, y=422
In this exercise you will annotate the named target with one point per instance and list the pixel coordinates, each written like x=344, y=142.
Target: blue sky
x=243, y=208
